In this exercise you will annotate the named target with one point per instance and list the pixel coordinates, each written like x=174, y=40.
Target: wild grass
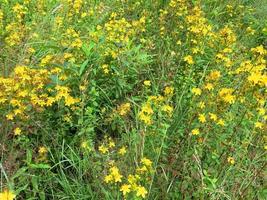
x=126, y=99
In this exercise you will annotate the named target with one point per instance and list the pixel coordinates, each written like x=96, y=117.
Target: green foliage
x=133, y=99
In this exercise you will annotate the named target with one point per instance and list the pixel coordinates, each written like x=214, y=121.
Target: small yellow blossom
x=142, y=169
x=103, y=149
x=147, y=83
x=114, y=175
x=82, y=88
x=221, y=122
x=146, y=161
x=261, y=111
x=147, y=109
x=260, y=50
x=111, y=144
x=46, y=60
x=196, y=91
x=195, y=131
x=42, y=150
x=213, y=116
x=141, y=191
x=17, y=131
x=209, y=86
x=105, y=68
x=10, y=116
x=168, y=91
x=123, y=109
x=85, y=145
x=214, y=75
x=227, y=95
x=202, y=118
x=122, y=150
x=108, y=178
x=168, y=109
x=201, y=105
x=189, y=59
x=179, y=42
x=258, y=125
x=7, y=195
x=133, y=179
x=125, y=188
x=231, y=160
x=145, y=118
x=114, y=171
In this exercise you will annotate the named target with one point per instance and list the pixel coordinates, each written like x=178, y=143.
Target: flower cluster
x=159, y=103
x=118, y=34
x=132, y=185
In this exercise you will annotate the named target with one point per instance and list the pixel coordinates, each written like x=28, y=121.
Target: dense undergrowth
x=133, y=99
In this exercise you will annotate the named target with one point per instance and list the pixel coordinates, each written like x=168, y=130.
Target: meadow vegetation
x=133, y=99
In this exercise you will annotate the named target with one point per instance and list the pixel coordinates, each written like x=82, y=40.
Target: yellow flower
x=196, y=91
x=213, y=116
x=179, y=42
x=114, y=171
x=77, y=43
x=209, y=86
x=195, y=131
x=145, y=118
x=214, y=75
x=82, y=88
x=123, y=109
x=105, y=68
x=258, y=125
x=7, y=195
x=168, y=109
x=103, y=149
x=141, y=191
x=83, y=15
x=10, y=116
x=168, y=91
x=261, y=111
x=85, y=145
x=122, y=151
x=108, y=178
x=133, y=179
x=42, y=150
x=221, y=122
x=142, y=169
x=47, y=59
x=227, y=95
x=147, y=109
x=259, y=49
x=231, y=160
x=111, y=144
x=17, y=131
x=147, y=83
x=125, y=188
x=202, y=118
x=201, y=105
x=69, y=100
x=189, y=59
x=146, y=162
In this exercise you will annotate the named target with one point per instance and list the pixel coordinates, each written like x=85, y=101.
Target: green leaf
x=42, y=195
x=88, y=49
x=29, y=156
x=23, y=188
x=20, y=172
x=39, y=166
x=55, y=79
x=35, y=183
x=83, y=67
